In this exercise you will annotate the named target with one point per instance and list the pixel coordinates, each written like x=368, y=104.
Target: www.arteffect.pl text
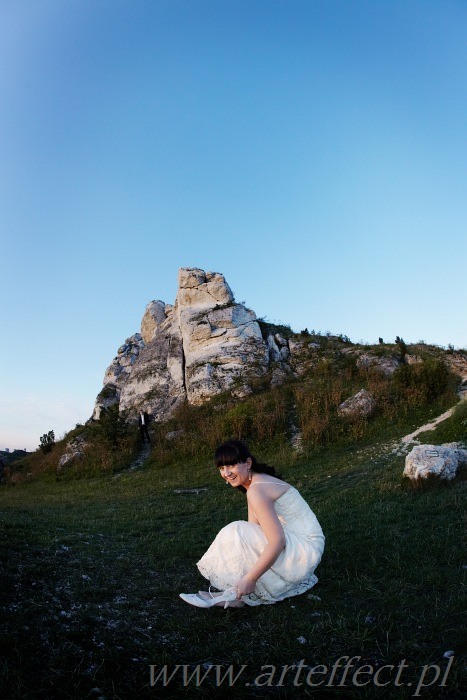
x=345, y=671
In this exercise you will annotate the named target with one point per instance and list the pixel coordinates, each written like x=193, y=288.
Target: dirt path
x=431, y=425
x=139, y=460
x=428, y=426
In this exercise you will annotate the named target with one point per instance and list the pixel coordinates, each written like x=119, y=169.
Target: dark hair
x=235, y=452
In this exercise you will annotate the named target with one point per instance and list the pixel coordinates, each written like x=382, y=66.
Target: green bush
x=47, y=441
x=423, y=383
x=268, y=328
x=113, y=426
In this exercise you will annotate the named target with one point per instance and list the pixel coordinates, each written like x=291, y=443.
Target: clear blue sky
x=313, y=151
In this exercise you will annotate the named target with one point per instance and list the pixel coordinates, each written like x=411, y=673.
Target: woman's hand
x=245, y=586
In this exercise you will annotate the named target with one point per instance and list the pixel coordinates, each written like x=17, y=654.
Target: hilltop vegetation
x=300, y=411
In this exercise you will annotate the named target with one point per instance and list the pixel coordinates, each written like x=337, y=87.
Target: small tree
x=113, y=425
x=47, y=441
x=402, y=347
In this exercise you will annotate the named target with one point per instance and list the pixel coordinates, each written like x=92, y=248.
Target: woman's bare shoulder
x=267, y=488
x=267, y=479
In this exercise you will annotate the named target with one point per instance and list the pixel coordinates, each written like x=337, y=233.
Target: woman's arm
x=252, y=515
x=263, y=507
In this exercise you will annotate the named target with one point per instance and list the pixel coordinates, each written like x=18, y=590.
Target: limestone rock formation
x=107, y=397
x=204, y=344
x=222, y=340
x=361, y=404
x=433, y=460
x=154, y=317
x=121, y=366
x=302, y=354
x=385, y=365
x=74, y=451
x=117, y=373
x=457, y=363
x=156, y=383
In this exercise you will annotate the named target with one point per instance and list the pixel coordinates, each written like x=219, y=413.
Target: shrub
x=435, y=379
x=47, y=441
x=402, y=347
x=112, y=426
x=268, y=328
x=423, y=383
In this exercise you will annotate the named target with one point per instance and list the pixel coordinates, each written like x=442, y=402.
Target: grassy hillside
x=92, y=562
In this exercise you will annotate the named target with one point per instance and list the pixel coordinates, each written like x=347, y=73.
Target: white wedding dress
x=238, y=546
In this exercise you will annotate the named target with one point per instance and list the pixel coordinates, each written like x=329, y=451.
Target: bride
x=272, y=556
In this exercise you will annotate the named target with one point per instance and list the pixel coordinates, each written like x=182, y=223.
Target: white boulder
x=432, y=460
x=75, y=450
x=361, y=404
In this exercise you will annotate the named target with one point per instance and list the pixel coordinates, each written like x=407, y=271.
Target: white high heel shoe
x=194, y=599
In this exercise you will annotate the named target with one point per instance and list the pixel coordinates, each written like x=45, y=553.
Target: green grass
x=92, y=568
x=453, y=430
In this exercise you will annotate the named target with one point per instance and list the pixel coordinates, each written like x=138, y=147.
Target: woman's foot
x=207, y=595
x=208, y=600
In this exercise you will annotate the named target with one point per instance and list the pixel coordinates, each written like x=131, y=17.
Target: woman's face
x=236, y=474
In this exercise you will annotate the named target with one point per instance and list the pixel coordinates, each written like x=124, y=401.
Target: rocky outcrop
x=303, y=354
x=117, y=373
x=457, y=363
x=156, y=383
x=361, y=404
x=204, y=344
x=440, y=461
x=386, y=365
x=107, y=397
x=154, y=316
x=121, y=366
x=222, y=340
x=75, y=450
